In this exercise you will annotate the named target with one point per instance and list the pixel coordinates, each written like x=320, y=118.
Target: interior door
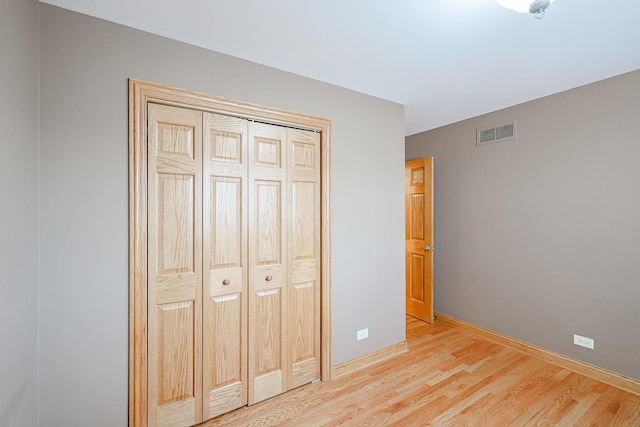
x=304, y=237
x=268, y=302
x=218, y=213
x=174, y=266
x=419, y=238
x=284, y=259
x=224, y=303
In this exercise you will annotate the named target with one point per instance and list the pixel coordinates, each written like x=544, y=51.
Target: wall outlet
x=362, y=334
x=583, y=341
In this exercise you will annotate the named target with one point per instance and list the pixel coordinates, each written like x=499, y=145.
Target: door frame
x=140, y=94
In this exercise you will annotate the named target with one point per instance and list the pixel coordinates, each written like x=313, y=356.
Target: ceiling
x=444, y=60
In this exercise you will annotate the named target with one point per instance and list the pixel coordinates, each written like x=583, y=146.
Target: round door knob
x=226, y=282
x=268, y=278
x=427, y=248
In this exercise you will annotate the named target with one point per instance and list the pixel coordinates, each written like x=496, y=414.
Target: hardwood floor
x=448, y=378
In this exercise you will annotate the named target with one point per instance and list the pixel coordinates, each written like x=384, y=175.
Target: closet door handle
x=268, y=278
x=225, y=282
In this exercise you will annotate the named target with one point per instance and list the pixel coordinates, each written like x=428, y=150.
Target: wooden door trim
x=140, y=94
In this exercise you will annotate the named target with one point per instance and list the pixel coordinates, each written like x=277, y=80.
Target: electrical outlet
x=583, y=341
x=362, y=334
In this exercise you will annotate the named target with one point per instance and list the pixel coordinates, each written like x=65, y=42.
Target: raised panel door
x=419, y=238
x=268, y=359
x=225, y=264
x=303, y=225
x=234, y=263
x=174, y=266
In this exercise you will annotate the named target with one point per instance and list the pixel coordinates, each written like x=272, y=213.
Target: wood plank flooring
x=448, y=378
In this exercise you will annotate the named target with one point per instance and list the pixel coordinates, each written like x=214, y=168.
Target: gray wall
x=538, y=238
x=84, y=68
x=18, y=211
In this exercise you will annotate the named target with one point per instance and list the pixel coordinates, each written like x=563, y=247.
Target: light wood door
x=419, y=238
x=303, y=243
x=284, y=250
x=267, y=261
x=208, y=331
x=225, y=273
x=234, y=238
x=174, y=266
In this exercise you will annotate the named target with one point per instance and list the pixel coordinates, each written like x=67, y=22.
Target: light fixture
x=535, y=7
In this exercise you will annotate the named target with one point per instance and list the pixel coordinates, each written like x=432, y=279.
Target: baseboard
x=614, y=379
x=368, y=359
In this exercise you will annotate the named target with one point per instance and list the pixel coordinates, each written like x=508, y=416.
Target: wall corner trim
x=368, y=359
x=594, y=372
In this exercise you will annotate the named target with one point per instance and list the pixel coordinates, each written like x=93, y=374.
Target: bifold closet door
x=174, y=290
x=268, y=262
x=303, y=249
x=284, y=251
x=233, y=310
x=225, y=264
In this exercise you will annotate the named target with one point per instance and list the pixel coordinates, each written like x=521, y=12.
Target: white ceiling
x=445, y=60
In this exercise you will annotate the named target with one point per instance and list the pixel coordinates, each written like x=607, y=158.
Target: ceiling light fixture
x=535, y=7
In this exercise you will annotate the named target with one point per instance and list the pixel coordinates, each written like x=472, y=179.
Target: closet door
x=174, y=306
x=303, y=251
x=268, y=358
x=233, y=263
x=225, y=264
x=284, y=259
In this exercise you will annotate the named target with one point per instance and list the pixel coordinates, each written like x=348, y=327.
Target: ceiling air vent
x=496, y=134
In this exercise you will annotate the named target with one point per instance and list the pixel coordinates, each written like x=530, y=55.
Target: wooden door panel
x=175, y=413
x=227, y=257
x=305, y=152
x=418, y=175
x=227, y=140
x=267, y=344
x=224, y=345
x=304, y=256
x=267, y=385
x=175, y=140
x=226, y=222
x=268, y=224
x=176, y=323
x=178, y=287
x=303, y=334
x=267, y=246
x=267, y=277
x=419, y=238
x=268, y=152
x=303, y=207
x=225, y=273
x=417, y=217
x=268, y=340
x=175, y=227
x=416, y=277
x=174, y=266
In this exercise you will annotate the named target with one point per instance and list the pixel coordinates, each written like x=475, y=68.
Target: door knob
x=427, y=248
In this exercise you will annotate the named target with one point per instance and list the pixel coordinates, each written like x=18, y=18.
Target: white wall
x=537, y=238
x=85, y=64
x=18, y=211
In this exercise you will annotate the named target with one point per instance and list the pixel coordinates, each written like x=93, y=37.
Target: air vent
x=496, y=134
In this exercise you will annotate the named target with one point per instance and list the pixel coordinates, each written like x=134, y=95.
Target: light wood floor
x=448, y=378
